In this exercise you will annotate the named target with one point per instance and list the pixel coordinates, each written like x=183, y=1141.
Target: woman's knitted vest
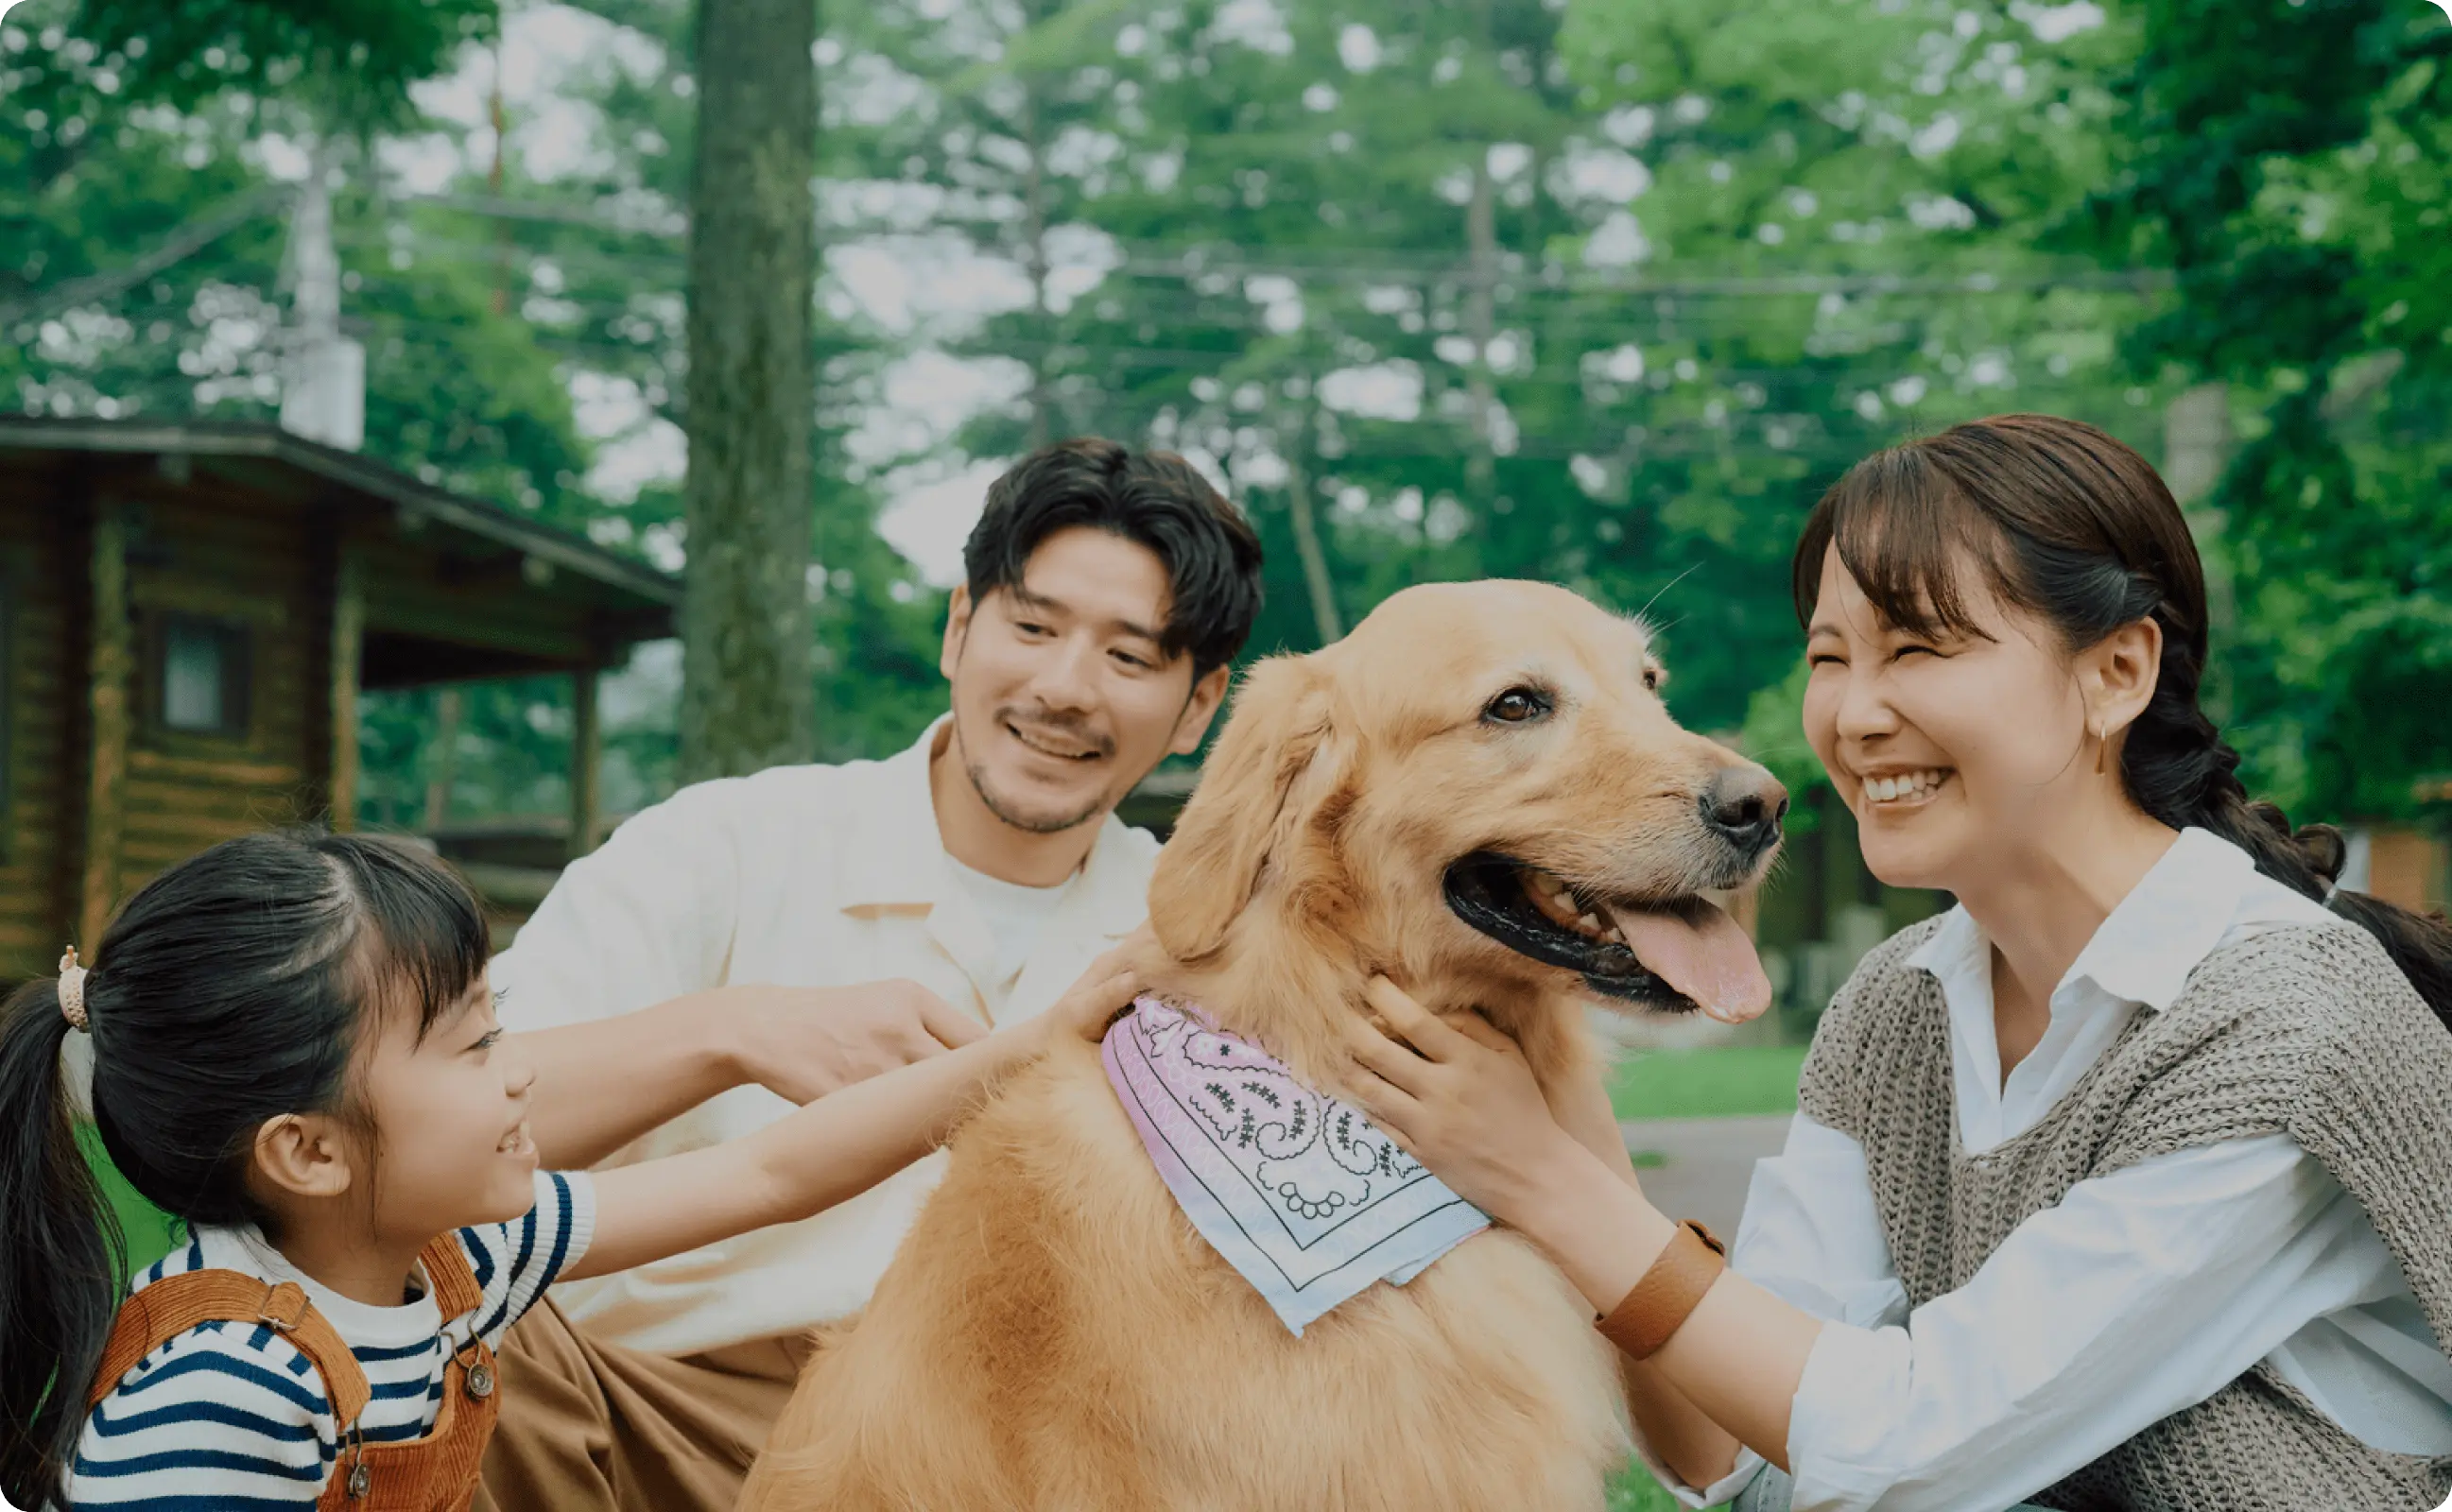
x=2305, y=1032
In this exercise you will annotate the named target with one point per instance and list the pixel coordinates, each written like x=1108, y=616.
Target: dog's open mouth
x=1679, y=956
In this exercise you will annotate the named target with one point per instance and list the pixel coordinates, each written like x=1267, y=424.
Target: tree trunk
x=1034, y=261
x=2197, y=446
x=746, y=627
x=1308, y=550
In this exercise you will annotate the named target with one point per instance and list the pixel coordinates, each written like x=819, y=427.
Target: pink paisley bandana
x=1294, y=1188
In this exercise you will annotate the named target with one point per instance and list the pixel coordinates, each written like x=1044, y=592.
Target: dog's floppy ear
x=1245, y=807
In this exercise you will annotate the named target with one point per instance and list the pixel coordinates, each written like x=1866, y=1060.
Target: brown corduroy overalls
x=437, y=1473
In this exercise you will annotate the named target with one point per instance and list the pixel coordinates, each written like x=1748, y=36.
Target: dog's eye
x=1652, y=680
x=1517, y=706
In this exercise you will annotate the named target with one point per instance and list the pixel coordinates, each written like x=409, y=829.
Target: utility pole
x=1034, y=259
x=323, y=397
x=494, y=190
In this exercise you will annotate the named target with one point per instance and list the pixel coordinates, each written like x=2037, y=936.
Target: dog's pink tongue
x=1702, y=952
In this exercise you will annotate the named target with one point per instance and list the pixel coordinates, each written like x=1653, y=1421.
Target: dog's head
x=1479, y=793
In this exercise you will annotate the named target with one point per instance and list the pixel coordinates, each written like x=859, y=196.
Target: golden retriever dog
x=1477, y=793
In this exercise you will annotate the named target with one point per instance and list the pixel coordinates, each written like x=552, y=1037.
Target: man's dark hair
x=1154, y=499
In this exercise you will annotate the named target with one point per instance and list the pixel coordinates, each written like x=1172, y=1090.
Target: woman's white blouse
x=2141, y=1293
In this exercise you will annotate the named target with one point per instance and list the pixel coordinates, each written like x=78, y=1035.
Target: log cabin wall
x=228, y=697
x=187, y=615
x=42, y=688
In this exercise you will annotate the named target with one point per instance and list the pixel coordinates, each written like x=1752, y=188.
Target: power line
x=1385, y=265
x=175, y=248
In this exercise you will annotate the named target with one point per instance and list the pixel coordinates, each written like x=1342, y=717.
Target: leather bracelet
x=1668, y=1294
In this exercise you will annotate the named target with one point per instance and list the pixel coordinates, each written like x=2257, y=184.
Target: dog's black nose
x=1744, y=805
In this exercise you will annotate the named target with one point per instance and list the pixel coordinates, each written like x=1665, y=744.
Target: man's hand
x=804, y=1042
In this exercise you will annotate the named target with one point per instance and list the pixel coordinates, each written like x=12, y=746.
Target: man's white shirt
x=798, y=876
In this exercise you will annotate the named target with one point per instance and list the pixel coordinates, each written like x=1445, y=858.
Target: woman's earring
x=2102, y=749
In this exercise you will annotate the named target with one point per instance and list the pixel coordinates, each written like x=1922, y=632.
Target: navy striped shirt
x=231, y=1417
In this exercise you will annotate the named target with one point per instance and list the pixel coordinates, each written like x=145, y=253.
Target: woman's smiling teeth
x=1904, y=787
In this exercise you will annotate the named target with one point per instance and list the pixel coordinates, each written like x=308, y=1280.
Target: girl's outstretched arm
x=833, y=1149
x=602, y=1084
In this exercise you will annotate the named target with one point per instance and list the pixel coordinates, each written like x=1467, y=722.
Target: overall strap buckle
x=283, y=1308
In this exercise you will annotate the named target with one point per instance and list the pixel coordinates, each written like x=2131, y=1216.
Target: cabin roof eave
x=363, y=475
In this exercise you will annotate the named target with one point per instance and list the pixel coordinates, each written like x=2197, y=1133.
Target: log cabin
x=188, y=613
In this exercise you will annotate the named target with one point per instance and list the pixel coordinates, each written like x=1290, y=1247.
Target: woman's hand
x=1458, y=1095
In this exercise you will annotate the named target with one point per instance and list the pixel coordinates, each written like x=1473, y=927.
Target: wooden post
x=586, y=753
x=110, y=667
x=349, y=637
x=449, y=706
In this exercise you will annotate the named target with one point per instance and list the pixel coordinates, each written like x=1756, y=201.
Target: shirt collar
x=1954, y=951
x=2153, y=939
x=893, y=855
x=2171, y=921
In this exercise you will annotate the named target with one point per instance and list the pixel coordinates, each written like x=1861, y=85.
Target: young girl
x=295, y=1051
x=2126, y=1182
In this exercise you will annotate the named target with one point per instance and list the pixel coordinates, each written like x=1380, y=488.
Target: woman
x=2127, y=1182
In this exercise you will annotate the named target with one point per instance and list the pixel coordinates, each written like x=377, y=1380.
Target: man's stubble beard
x=1100, y=807
x=976, y=771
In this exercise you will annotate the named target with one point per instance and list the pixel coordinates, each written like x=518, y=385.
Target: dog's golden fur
x=1054, y=1335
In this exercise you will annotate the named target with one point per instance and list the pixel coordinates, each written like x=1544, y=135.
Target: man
x=755, y=942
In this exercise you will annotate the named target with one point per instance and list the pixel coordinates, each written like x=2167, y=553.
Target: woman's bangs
x=1907, y=538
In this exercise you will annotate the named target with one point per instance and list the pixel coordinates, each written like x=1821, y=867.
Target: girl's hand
x=835, y=1148
x=1460, y=1097
x=1091, y=1004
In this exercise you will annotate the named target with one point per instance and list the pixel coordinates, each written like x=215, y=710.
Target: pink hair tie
x=73, y=989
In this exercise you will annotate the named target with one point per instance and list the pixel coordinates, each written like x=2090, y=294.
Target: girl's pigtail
x=62, y=1256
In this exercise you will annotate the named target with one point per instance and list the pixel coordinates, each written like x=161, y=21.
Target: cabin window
x=201, y=682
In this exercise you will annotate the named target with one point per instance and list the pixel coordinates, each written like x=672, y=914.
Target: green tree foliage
x=1588, y=291
x=357, y=60
x=142, y=229
x=2286, y=163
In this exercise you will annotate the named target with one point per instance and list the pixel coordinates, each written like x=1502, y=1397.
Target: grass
x=1635, y=1490
x=1721, y=1082
x=150, y=1232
